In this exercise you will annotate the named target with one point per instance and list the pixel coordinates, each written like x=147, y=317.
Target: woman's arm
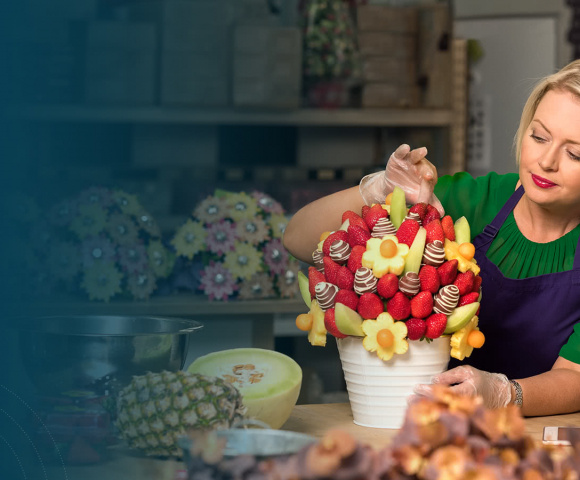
x=323, y=215
x=554, y=392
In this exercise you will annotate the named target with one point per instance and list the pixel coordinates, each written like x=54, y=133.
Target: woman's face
x=550, y=154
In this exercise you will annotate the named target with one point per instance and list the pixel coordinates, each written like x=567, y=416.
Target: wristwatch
x=519, y=400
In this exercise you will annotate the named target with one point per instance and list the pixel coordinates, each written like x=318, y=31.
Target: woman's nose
x=549, y=161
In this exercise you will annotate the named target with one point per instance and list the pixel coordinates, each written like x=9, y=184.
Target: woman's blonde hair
x=568, y=79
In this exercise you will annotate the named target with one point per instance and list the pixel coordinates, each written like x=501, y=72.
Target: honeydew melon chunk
x=348, y=321
x=317, y=334
x=415, y=255
x=398, y=207
x=461, y=317
x=345, y=225
x=304, y=288
x=269, y=381
x=462, y=231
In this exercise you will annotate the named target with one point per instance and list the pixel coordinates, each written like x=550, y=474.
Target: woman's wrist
x=517, y=394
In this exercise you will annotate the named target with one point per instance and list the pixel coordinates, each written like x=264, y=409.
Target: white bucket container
x=378, y=390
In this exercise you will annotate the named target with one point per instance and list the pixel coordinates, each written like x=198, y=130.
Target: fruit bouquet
x=392, y=275
x=230, y=247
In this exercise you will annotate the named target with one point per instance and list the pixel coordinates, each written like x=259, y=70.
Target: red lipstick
x=542, y=182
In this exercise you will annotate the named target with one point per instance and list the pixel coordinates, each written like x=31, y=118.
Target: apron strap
x=490, y=230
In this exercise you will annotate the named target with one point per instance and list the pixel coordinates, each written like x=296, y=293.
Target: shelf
x=185, y=305
x=215, y=116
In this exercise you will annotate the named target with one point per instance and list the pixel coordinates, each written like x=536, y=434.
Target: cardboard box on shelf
x=398, y=45
x=387, y=68
x=390, y=95
x=382, y=18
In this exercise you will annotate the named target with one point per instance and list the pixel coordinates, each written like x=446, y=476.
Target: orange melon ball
x=388, y=248
x=467, y=250
x=476, y=339
x=385, y=338
x=388, y=198
x=324, y=236
x=304, y=321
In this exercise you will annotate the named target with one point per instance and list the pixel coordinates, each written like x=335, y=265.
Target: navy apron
x=525, y=321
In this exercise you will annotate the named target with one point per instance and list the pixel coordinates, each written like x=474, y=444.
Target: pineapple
x=156, y=408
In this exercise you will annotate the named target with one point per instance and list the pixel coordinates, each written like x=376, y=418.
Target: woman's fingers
x=402, y=151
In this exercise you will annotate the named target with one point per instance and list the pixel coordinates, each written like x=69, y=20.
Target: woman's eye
x=537, y=138
x=574, y=156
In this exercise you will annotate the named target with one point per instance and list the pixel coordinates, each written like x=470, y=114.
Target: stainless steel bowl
x=62, y=353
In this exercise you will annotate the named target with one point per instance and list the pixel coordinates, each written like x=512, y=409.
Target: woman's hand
x=495, y=388
x=407, y=169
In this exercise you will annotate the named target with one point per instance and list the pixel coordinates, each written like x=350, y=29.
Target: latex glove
x=407, y=169
x=494, y=388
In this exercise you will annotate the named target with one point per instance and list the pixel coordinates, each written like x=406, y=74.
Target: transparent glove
x=407, y=169
x=494, y=388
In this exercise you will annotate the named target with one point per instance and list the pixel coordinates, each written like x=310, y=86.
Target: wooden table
x=311, y=419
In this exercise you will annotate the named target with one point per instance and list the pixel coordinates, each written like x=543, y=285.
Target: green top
x=479, y=200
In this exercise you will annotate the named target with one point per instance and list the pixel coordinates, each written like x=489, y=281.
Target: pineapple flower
x=63, y=213
x=102, y=281
x=161, y=260
x=278, y=224
x=97, y=249
x=142, y=284
x=126, y=202
x=385, y=255
x=253, y=230
x=133, y=259
x=217, y=282
x=97, y=196
x=258, y=286
x=90, y=220
x=147, y=223
x=276, y=257
x=243, y=261
x=63, y=260
x=221, y=237
x=385, y=336
x=453, y=252
x=211, y=210
x=189, y=239
x=241, y=206
x=122, y=229
x=267, y=203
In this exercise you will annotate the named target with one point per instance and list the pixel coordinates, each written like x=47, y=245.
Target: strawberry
x=399, y=306
x=338, y=235
x=468, y=298
x=370, y=306
x=357, y=236
x=415, y=328
x=372, y=216
x=314, y=277
x=432, y=214
x=330, y=324
x=355, y=259
x=388, y=285
x=331, y=269
x=407, y=231
x=436, y=325
x=448, y=272
x=448, y=228
x=348, y=298
x=420, y=209
x=429, y=279
x=464, y=282
x=354, y=220
x=435, y=231
x=477, y=283
x=344, y=278
x=365, y=209
x=422, y=305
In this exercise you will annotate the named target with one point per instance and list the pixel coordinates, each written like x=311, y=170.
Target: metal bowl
x=62, y=353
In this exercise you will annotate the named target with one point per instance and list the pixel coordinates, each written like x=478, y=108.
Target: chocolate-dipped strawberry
x=365, y=281
x=434, y=254
x=325, y=294
x=446, y=300
x=340, y=251
x=414, y=216
x=383, y=227
x=410, y=284
x=317, y=257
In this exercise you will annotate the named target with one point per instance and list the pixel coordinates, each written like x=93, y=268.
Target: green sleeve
x=571, y=350
x=477, y=199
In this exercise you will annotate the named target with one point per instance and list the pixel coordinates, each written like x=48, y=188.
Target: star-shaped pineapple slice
x=465, y=340
x=385, y=336
x=453, y=251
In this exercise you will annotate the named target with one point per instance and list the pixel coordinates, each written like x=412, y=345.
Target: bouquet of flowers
x=102, y=241
x=393, y=275
x=231, y=247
